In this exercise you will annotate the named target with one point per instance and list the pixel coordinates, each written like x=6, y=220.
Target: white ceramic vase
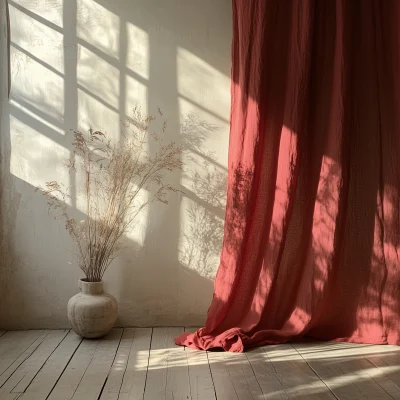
x=92, y=312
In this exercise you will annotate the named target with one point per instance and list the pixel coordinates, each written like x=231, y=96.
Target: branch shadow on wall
x=140, y=273
x=199, y=242
x=18, y=275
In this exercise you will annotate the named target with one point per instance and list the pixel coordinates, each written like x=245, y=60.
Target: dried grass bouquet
x=115, y=176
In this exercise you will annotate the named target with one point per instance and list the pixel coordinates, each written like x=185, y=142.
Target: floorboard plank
x=13, y=338
x=387, y=360
x=25, y=373
x=134, y=379
x=96, y=374
x=242, y=376
x=268, y=378
x=234, y=376
x=201, y=383
x=10, y=396
x=346, y=372
x=168, y=373
x=73, y=374
x=47, y=377
x=14, y=344
x=224, y=386
x=114, y=381
x=27, y=353
x=144, y=363
x=298, y=379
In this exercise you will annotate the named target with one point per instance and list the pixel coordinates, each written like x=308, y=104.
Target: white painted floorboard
x=47, y=377
x=168, y=370
x=67, y=384
x=145, y=364
x=91, y=385
x=298, y=380
x=114, y=382
x=23, y=375
x=349, y=377
x=135, y=375
x=18, y=346
x=200, y=378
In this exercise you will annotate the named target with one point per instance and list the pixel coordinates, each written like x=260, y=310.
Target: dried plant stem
x=115, y=176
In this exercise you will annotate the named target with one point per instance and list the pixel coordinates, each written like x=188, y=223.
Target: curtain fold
x=312, y=229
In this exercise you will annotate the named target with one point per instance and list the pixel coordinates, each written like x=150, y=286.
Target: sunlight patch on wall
x=37, y=40
x=75, y=63
x=43, y=162
x=205, y=135
x=50, y=10
x=93, y=113
x=137, y=233
x=98, y=76
x=98, y=26
x=137, y=52
x=136, y=95
x=201, y=83
x=201, y=234
x=34, y=116
x=37, y=85
x=204, y=185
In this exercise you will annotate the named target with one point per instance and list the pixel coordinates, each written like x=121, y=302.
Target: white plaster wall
x=81, y=62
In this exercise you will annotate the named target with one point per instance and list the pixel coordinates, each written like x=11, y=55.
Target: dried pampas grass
x=114, y=176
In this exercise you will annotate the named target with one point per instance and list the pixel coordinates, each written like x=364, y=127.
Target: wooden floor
x=143, y=363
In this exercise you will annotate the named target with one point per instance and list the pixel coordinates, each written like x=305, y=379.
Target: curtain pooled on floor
x=312, y=229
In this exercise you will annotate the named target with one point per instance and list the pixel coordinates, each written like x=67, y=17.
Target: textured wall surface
x=81, y=62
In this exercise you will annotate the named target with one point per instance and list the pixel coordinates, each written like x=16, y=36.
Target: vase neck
x=90, y=287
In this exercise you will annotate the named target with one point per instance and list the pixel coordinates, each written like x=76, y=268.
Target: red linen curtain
x=312, y=230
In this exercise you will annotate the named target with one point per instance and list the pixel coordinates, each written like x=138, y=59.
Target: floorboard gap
x=255, y=375
x=315, y=372
x=27, y=357
x=127, y=362
x=67, y=331
x=62, y=373
x=212, y=377
x=148, y=361
x=102, y=388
